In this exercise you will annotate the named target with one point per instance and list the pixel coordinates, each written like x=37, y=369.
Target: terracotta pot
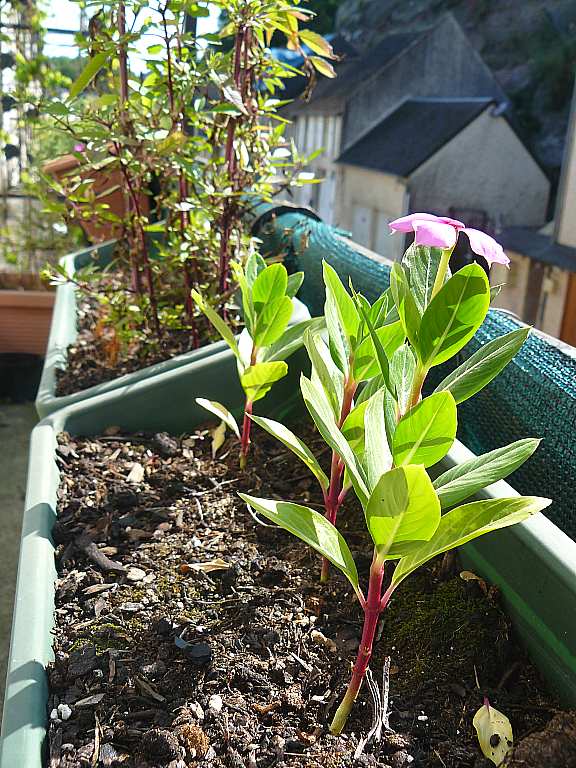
x=25, y=318
x=108, y=178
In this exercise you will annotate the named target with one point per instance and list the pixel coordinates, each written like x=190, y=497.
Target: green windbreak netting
x=534, y=396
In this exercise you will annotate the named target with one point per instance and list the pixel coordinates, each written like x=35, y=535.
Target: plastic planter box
x=63, y=333
x=533, y=563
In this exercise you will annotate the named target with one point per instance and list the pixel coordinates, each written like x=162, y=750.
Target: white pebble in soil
x=64, y=711
x=215, y=704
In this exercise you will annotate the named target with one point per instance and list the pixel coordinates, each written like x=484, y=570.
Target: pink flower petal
x=435, y=234
x=406, y=223
x=454, y=222
x=486, y=246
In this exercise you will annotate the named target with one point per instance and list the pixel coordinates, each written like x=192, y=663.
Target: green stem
x=442, y=269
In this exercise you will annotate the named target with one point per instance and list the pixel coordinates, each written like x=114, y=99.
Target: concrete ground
x=16, y=422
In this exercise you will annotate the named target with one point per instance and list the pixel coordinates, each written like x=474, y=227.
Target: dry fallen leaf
x=494, y=732
x=470, y=576
x=136, y=474
x=218, y=438
x=212, y=565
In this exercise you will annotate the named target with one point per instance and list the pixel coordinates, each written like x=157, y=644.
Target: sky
x=65, y=14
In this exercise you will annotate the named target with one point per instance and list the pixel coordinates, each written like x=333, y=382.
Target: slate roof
x=415, y=131
x=330, y=95
x=531, y=243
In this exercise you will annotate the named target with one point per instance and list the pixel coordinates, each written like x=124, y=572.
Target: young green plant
x=410, y=518
x=341, y=363
x=262, y=349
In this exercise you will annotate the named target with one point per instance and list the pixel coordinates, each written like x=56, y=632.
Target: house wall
x=513, y=296
x=442, y=63
x=310, y=133
x=486, y=167
x=566, y=206
x=370, y=200
x=515, y=280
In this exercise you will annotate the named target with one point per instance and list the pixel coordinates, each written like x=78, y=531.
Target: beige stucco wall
x=485, y=167
x=515, y=281
x=382, y=198
x=566, y=205
x=513, y=295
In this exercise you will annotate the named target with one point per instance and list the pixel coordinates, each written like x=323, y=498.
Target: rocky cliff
x=529, y=44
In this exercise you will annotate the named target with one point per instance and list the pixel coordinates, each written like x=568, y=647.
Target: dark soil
x=97, y=357
x=188, y=635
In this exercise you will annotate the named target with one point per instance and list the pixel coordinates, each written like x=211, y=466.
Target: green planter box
x=533, y=563
x=63, y=333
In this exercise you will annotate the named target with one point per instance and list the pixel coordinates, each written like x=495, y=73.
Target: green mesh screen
x=535, y=396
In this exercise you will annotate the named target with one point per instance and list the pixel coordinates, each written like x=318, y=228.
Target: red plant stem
x=247, y=423
x=123, y=75
x=149, y=277
x=231, y=164
x=373, y=607
x=245, y=442
x=177, y=123
x=334, y=497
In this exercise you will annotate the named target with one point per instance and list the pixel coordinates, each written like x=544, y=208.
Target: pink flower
x=79, y=147
x=442, y=232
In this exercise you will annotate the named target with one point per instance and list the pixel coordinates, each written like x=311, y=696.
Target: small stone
x=64, y=711
x=135, y=574
x=108, y=755
x=320, y=639
x=198, y=653
x=131, y=607
x=215, y=704
x=401, y=759
x=164, y=444
x=196, y=710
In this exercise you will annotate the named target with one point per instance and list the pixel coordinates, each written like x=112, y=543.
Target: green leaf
x=378, y=457
x=247, y=303
x=466, y=479
x=402, y=368
x=344, y=303
x=311, y=527
x=366, y=361
x=454, y=315
x=353, y=429
x=425, y=434
x=317, y=43
x=291, y=340
x=403, y=507
x=405, y=304
x=329, y=375
x=465, y=523
x=272, y=321
x=217, y=322
x=421, y=267
x=483, y=366
x=222, y=412
x=257, y=380
x=270, y=284
x=297, y=446
x=94, y=65
x=377, y=347
x=370, y=387
x=323, y=66
x=322, y=415
x=295, y=280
